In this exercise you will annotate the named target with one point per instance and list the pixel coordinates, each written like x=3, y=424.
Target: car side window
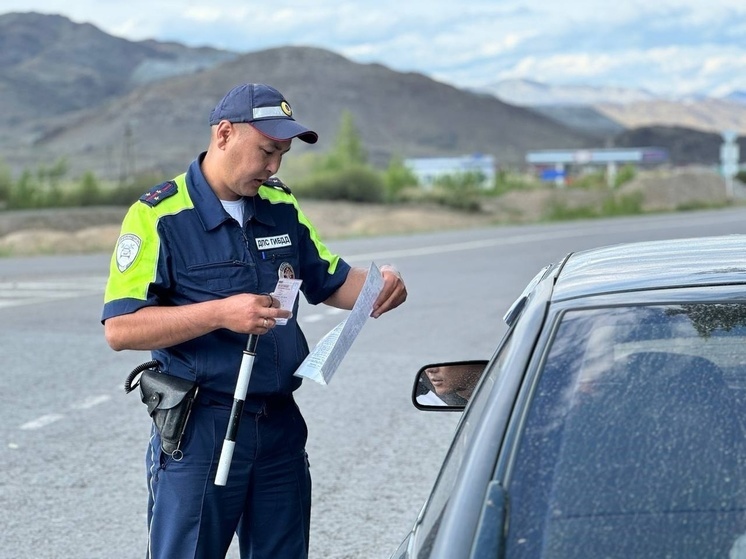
x=634, y=427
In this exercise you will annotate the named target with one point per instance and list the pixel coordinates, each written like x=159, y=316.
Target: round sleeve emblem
x=128, y=248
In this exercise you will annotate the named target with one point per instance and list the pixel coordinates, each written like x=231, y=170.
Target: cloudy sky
x=669, y=47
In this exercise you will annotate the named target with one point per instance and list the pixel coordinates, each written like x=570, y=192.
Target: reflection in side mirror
x=446, y=386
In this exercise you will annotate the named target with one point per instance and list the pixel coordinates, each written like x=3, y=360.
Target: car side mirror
x=446, y=386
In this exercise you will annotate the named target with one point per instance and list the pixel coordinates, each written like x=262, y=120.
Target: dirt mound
x=678, y=189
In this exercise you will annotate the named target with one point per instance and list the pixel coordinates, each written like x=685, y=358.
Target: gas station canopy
x=598, y=156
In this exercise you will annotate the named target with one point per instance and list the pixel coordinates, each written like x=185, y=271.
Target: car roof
x=652, y=265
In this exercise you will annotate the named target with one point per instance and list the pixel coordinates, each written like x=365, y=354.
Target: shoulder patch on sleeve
x=157, y=194
x=274, y=182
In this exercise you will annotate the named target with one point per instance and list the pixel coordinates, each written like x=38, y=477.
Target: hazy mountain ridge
x=102, y=114
x=737, y=96
x=112, y=106
x=628, y=107
x=530, y=93
x=50, y=65
x=707, y=115
x=395, y=113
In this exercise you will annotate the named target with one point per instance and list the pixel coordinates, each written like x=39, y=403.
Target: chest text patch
x=267, y=243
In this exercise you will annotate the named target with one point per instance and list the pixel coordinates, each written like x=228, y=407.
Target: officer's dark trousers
x=266, y=502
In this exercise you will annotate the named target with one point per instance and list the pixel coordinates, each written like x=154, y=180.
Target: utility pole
x=127, y=165
x=729, y=158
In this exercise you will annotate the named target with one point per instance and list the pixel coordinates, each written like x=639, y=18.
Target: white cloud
x=675, y=71
x=203, y=14
x=665, y=45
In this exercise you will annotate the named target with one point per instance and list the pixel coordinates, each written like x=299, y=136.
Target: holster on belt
x=169, y=400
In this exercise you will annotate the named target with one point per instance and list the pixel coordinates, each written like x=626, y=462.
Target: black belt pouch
x=169, y=400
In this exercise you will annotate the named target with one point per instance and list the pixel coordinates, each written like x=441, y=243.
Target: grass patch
x=611, y=206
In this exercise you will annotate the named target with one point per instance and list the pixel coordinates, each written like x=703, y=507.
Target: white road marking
x=48, y=419
x=16, y=293
x=521, y=238
x=17, y=302
x=42, y=421
x=90, y=402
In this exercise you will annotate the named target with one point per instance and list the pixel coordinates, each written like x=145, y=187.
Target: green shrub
x=628, y=204
x=506, y=181
x=348, y=149
x=559, y=211
x=86, y=193
x=6, y=183
x=356, y=183
x=25, y=193
x=591, y=181
x=127, y=194
x=624, y=175
x=461, y=191
x=694, y=205
x=398, y=178
x=465, y=201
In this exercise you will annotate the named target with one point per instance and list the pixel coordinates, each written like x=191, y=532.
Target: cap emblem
x=286, y=108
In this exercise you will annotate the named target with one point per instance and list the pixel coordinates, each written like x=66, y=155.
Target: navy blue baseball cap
x=265, y=109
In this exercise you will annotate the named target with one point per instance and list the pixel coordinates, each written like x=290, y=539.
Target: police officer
x=191, y=277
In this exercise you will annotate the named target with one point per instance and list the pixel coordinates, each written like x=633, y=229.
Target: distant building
x=429, y=169
x=552, y=165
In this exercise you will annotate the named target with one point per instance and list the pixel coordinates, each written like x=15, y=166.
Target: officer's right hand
x=252, y=314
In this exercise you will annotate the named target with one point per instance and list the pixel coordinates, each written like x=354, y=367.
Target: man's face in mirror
x=454, y=379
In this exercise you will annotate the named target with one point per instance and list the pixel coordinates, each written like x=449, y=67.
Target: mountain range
x=106, y=104
x=625, y=107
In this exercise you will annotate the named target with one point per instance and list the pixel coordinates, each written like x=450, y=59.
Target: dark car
x=610, y=421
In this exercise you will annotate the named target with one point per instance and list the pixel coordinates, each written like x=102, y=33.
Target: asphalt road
x=72, y=449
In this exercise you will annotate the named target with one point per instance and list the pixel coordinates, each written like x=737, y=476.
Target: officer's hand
x=252, y=314
x=393, y=293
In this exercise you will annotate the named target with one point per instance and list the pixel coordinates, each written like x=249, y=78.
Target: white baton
x=239, y=395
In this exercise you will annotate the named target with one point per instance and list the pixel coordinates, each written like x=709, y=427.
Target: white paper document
x=286, y=291
x=324, y=359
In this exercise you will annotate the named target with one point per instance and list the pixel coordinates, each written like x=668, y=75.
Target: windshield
x=633, y=443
